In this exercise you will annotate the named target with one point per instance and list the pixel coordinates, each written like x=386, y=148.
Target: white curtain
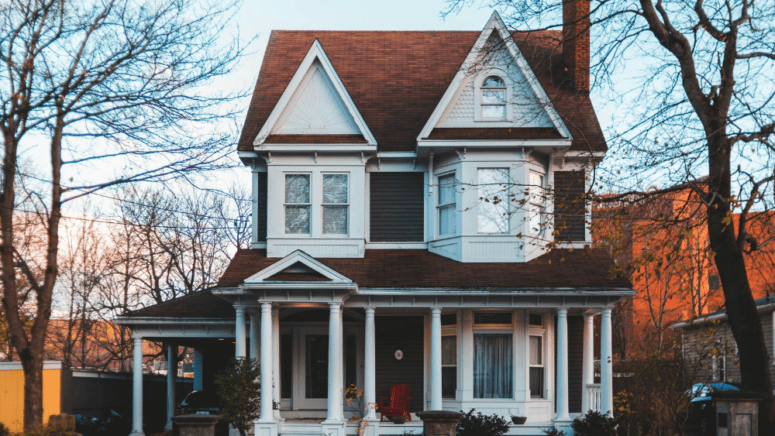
x=493, y=366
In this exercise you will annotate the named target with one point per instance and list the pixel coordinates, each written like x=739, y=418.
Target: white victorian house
x=381, y=252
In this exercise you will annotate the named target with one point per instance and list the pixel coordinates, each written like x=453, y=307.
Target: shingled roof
x=560, y=268
x=396, y=79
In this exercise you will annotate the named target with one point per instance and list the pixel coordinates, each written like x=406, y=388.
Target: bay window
x=447, y=205
x=297, y=204
x=493, y=356
x=493, y=208
x=535, y=205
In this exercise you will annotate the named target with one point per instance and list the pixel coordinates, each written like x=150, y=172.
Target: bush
x=4, y=430
x=594, y=424
x=239, y=390
x=481, y=425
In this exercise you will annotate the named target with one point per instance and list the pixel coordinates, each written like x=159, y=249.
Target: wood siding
x=262, y=199
x=403, y=333
x=396, y=208
x=570, y=205
x=699, y=341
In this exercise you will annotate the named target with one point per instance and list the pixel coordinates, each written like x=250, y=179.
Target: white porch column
x=370, y=366
x=137, y=388
x=198, y=367
x=588, y=358
x=436, y=359
x=562, y=365
x=266, y=363
x=606, y=365
x=335, y=384
x=172, y=372
x=240, y=333
x=255, y=333
x=276, y=357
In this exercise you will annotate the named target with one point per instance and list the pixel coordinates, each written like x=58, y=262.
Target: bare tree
x=695, y=79
x=115, y=89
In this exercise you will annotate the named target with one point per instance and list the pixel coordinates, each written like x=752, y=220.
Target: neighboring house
x=709, y=350
x=381, y=252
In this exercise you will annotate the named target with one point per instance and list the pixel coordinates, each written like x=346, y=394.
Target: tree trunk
x=741, y=309
x=33, y=390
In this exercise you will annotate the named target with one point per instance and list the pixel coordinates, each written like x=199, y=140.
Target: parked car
x=200, y=402
x=702, y=410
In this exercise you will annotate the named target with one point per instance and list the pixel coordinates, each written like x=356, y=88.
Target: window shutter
x=569, y=205
x=261, y=219
x=397, y=207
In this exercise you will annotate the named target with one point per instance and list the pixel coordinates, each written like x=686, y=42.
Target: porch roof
x=415, y=269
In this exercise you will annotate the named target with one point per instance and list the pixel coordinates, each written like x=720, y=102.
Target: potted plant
x=397, y=419
x=518, y=420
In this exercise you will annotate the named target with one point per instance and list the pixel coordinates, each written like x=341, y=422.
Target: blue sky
x=260, y=17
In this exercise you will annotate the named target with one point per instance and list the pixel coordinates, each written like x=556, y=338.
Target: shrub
x=4, y=430
x=481, y=425
x=239, y=390
x=553, y=432
x=594, y=424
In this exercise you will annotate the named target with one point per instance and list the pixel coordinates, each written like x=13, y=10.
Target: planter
x=397, y=419
x=519, y=420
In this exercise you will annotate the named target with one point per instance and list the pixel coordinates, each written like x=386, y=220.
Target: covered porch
x=454, y=355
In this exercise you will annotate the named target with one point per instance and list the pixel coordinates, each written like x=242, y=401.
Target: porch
x=443, y=358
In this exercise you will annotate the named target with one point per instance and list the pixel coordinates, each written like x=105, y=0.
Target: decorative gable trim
x=315, y=52
x=298, y=257
x=495, y=24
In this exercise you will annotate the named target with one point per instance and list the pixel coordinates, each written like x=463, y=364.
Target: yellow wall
x=12, y=396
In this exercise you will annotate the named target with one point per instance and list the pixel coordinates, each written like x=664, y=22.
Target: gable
x=297, y=267
x=297, y=272
x=525, y=108
x=526, y=103
x=315, y=104
x=316, y=108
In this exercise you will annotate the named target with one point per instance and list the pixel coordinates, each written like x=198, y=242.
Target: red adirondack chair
x=398, y=405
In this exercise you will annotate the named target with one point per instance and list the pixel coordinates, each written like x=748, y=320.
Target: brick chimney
x=575, y=41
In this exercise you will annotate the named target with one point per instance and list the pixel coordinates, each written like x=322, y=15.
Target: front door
x=310, y=392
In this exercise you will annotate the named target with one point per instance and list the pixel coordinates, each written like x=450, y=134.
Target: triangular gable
x=316, y=99
x=301, y=265
x=495, y=24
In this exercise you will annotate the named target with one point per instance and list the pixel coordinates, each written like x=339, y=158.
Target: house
x=709, y=350
x=402, y=227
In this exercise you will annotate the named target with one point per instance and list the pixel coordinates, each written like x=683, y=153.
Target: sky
x=258, y=18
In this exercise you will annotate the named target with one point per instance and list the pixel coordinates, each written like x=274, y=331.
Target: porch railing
x=593, y=396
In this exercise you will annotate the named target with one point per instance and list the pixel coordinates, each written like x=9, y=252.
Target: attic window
x=494, y=98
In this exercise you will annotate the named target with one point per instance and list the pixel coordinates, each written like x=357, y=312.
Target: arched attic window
x=493, y=98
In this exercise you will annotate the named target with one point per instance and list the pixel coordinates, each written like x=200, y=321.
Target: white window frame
x=440, y=206
x=345, y=205
x=506, y=198
x=720, y=364
x=495, y=329
x=536, y=204
x=482, y=104
x=286, y=204
x=539, y=332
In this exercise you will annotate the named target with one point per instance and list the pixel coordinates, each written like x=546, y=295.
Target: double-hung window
x=448, y=355
x=493, y=355
x=493, y=209
x=335, y=204
x=446, y=205
x=494, y=98
x=537, y=196
x=297, y=204
x=536, y=356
